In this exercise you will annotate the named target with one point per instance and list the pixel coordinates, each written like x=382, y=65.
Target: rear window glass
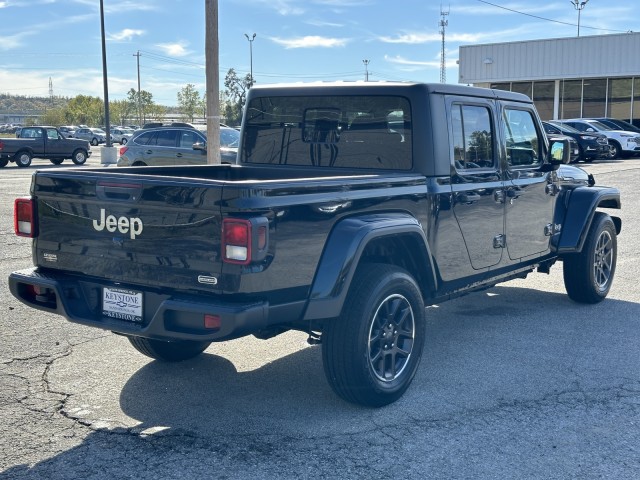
x=329, y=131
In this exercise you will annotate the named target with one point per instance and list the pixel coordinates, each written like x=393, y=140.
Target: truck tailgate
x=130, y=229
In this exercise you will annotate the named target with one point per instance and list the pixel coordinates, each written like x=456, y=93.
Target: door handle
x=149, y=152
x=179, y=155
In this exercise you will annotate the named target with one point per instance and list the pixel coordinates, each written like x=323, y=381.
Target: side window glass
x=187, y=139
x=144, y=138
x=166, y=138
x=522, y=142
x=52, y=134
x=472, y=137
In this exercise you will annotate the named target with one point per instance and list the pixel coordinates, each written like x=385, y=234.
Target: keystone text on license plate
x=122, y=304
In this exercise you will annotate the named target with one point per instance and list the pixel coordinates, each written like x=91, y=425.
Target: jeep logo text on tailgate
x=133, y=226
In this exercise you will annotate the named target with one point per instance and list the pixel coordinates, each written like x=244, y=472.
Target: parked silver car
x=182, y=145
x=121, y=135
x=95, y=136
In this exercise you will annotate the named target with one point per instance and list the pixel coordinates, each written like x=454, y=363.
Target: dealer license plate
x=122, y=304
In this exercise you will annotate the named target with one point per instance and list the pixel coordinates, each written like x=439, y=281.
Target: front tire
x=175, y=351
x=123, y=141
x=23, y=159
x=79, y=157
x=94, y=142
x=588, y=275
x=614, y=150
x=372, y=351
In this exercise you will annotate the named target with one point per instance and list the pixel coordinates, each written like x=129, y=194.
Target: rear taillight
x=1, y=145
x=24, y=217
x=244, y=240
x=123, y=150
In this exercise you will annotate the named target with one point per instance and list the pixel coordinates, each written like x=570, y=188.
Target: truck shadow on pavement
x=508, y=346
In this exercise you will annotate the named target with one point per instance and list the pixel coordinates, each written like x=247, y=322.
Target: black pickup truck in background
x=42, y=142
x=352, y=206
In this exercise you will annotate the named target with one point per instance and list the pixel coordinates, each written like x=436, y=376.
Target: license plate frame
x=123, y=304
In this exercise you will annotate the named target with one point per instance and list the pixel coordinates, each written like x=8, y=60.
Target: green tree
x=189, y=102
x=121, y=111
x=236, y=96
x=54, y=116
x=148, y=109
x=86, y=110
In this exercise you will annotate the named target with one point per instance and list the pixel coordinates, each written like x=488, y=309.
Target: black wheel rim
x=391, y=338
x=603, y=260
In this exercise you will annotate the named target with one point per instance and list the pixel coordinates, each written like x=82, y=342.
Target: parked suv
x=621, y=143
x=177, y=145
x=618, y=124
x=590, y=145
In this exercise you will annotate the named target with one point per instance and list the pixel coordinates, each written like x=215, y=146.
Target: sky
x=295, y=40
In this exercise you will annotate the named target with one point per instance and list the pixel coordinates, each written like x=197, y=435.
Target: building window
x=522, y=87
x=635, y=112
x=619, y=98
x=543, y=95
x=570, y=97
x=501, y=86
x=594, y=97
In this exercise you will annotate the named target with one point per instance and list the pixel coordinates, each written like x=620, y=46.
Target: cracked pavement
x=515, y=382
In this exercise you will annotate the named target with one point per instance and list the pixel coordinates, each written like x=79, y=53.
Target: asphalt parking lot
x=516, y=382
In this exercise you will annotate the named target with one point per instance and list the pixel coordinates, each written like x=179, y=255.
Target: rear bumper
x=164, y=316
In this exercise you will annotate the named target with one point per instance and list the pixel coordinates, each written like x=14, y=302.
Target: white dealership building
x=589, y=76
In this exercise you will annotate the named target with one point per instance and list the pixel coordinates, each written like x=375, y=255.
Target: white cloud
x=126, y=35
x=12, y=42
x=310, y=41
x=177, y=49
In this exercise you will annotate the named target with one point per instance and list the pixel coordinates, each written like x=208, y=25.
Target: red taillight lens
x=24, y=217
x=123, y=150
x=1, y=145
x=236, y=240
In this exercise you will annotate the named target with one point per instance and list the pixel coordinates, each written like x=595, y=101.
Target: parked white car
x=621, y=142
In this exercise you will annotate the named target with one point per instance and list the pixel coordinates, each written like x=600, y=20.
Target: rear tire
x=588, y=275
x=372, y=351
x=23, y=159
x=175, y=351
x=3, y=162
x=614, y=150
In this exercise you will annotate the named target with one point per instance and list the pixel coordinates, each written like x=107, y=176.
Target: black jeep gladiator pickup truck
x=352, y=206
x=42, y=142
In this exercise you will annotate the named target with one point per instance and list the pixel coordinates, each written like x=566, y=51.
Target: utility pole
x=213, y=82
x=250, y=57
x=366, y=70
x=51, y=92
x=138, y=97
x=104, y=77
x=579, y=5
x=443, y=61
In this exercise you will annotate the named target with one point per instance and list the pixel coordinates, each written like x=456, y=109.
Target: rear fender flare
x=581, y=207
x=344, y=249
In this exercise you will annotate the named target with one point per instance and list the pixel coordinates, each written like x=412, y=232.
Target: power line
x=549, y=19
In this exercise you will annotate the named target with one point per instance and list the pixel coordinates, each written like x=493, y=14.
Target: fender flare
x=343, y=250
x=581, y=207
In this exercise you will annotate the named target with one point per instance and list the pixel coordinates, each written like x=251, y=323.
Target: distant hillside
x=19, y=103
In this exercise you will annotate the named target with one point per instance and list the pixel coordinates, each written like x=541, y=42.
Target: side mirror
x=559, y=154
x=200, y=146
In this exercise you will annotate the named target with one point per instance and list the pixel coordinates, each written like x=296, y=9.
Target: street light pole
x=251, y=39
x=579, y=5
x=104, y=77
x=366, y=70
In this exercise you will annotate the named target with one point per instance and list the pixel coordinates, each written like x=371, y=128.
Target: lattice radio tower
x=443, y=60
x=50, y=91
